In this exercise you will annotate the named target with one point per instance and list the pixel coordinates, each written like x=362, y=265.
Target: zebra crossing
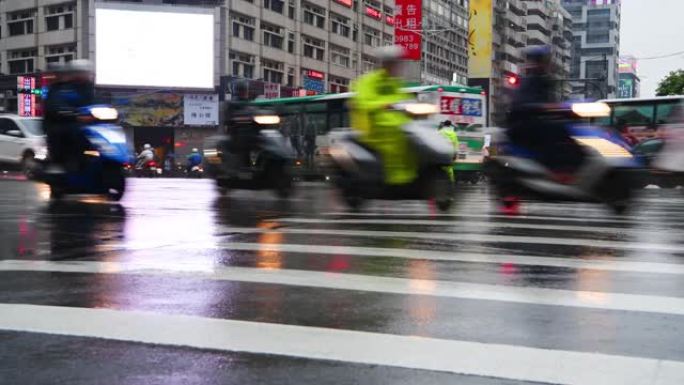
x=563, y=294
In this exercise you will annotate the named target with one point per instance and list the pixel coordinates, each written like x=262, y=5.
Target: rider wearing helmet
x=529, y=123
x=446, y=129
x=194, y=159
x=239, y=123
x=72, y=89
x=380, y=127
x=146, y=155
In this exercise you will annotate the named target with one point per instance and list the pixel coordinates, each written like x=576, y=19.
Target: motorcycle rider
x=146, y=155
x=240, y=126
x=446, y=128
x=194, y=159
x=529, y=123
x=72, y=89
x=379, y=125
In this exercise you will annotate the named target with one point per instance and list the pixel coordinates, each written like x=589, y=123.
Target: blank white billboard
x=152, y=48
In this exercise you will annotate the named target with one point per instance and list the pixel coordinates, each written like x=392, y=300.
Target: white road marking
x=475, y=238
x=450, y=256
x=468, y=224
x=526, y=295
x=454, y=356
x=404, y=213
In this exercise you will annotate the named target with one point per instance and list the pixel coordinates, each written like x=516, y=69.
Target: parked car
x=22, y=142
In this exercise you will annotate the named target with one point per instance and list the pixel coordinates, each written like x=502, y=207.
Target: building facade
x=596, y=47
x=445, y=42
x=629, y=84
x=496, y=39
x=549, y=24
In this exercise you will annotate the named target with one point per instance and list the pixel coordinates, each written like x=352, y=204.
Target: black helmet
x=538, y=54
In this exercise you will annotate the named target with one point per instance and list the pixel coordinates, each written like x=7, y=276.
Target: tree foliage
x=673, y=84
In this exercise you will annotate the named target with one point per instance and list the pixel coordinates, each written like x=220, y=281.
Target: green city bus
x=307, y=120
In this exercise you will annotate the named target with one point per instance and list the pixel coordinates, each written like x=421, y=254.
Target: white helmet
x=195, y=150
x=147, y=146
x=389, y=53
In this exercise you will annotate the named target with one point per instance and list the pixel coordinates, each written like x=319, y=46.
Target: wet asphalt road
x=177, y=285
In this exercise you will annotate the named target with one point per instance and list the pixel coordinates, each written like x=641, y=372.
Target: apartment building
x=497, y=37
x=549, y=24
x=596, y=46
x=445, y=42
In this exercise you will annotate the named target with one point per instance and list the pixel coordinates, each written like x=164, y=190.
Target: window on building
x=368, y=63
x=340, y=56
x=387, y=39
x=339, y=25
x=595, y=69
x=313, y=15
x=313, y=48
x=371, y=36
x=60, y=16
x=290, y=77
x=291, y=9
x=21, y=22
x=243, y=26
x=274, y=5
x=22, y=61
x=273, y=35
x=338, y=84
x=291, y=42
x=60, y=53
x=273, y=71
x=602, y=37
x=242, y=64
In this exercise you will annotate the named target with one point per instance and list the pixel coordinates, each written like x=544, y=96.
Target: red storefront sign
x=346, y=3
x=389, y=20
x=374, y=13
x=314, y=74
x=407, y=20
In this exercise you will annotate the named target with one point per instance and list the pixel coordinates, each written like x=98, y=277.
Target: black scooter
x=359, y=171
x=268, y=165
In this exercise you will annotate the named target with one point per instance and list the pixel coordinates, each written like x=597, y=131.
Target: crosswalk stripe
x=453, y=356
x=479, y=238
x=403, y=213
x=447, y=289
x=469, y=224
x=434, y=255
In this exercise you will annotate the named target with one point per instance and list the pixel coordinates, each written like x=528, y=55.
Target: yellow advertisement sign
x=480, y=39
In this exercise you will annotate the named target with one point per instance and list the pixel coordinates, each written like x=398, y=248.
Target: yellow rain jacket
x=450, y=134
x=381, y=128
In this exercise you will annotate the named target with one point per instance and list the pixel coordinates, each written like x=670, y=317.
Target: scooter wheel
x=56, y=193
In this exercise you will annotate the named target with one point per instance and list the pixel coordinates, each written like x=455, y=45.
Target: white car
x=22, y=142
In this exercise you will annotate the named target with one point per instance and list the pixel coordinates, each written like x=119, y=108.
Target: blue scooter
x=104, y=155
x=609, y=172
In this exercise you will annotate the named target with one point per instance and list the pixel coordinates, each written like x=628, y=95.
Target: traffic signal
x=513, y=80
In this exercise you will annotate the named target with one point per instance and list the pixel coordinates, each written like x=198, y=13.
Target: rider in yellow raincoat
x=380, y=127
x=447, y=130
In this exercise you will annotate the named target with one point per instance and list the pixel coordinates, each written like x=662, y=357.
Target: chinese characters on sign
x=200, y=109
x=464, y=109
x=271, y=90
x=407, y=19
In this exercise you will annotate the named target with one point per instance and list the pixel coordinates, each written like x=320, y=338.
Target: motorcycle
x=269, y=165
x=358, y=170
x=196, y=171
x=608, y=174
x=148, y=169
x=105, y=153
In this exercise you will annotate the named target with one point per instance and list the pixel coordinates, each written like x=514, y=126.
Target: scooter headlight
x=604, y=147
x=591, y=110
x=104, y=113
x=267, y=119
x=421, y=109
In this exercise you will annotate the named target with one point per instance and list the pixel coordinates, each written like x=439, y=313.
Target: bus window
x=666, y=112
x=633, y=114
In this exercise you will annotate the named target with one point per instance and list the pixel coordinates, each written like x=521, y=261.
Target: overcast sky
x=653, y=28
